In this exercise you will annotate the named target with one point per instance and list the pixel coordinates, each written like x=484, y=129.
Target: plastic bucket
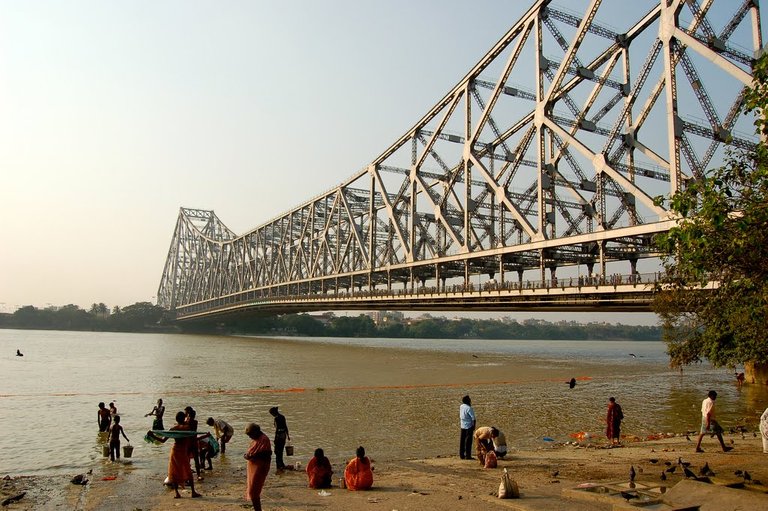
x=105, y=451
x=289, y=450
x=127, y=451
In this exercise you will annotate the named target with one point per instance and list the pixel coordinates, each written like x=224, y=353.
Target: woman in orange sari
x=358, y=475
x=179, y=471
x=319, y=471
x=259, y=456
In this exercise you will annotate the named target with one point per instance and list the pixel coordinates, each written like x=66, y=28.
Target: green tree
x=713, y=301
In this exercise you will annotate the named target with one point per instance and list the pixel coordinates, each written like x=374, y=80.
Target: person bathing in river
x=158, y=411
x=103, y=418
x=194, y=451
x=223, y=432
x=114, y=439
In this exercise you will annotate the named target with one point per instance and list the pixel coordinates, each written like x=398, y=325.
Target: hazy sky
x=114, y=114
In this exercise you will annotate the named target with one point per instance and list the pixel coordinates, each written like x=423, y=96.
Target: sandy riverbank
x=416, y=484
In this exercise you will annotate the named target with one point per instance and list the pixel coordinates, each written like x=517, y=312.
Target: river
x=397, y=397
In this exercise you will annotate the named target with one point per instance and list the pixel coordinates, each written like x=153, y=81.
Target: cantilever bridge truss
x=531, y=183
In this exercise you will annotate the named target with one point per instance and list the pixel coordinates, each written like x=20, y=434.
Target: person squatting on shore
x=259, y=456
x=319, y=471
x=223, y=432
x=103, y=418
x=114, y=439
x=467, y=423
x=179, y=471
x=158, y=411
x=708, y=423
x=358, y=474
x=613, y=421
x=281, y=435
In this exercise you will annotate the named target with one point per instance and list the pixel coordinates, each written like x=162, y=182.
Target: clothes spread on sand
x=259, y=456
x=179, y=471
x=358, y=474
x=613, y=421
x=319, y=472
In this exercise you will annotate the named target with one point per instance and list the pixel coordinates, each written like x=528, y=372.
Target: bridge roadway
x=613, y=293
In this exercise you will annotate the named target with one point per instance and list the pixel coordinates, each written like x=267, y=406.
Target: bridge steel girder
x=547, y=154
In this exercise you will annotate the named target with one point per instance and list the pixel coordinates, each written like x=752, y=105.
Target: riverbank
x=546, y=478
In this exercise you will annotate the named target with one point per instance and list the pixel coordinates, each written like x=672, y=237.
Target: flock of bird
x=687, y=472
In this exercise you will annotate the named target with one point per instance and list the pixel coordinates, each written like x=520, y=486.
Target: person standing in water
x=114, y=439
x=103, y=418
x=281, y=435
x=158, y=411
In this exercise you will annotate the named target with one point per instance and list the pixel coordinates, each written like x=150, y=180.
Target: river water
x=397, y=397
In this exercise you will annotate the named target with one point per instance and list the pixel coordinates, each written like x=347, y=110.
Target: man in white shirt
x=708, y=423
x=467, y=422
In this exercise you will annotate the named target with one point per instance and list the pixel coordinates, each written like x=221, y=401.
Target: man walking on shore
x=467, y=422
x=708, y=423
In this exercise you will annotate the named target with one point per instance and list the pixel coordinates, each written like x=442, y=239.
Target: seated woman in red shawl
x=259, y=456
x=319, y=471
x=358, y=475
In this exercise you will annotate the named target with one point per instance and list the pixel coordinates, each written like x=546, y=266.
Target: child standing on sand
x=114, y=439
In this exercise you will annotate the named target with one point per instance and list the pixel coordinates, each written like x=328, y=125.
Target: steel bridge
x=531, y=185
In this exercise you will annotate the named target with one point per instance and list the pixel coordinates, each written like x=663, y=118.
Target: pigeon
x=632, y=473
x=663, y=476
x=687, y=438
x=668, y=463
x=683, y=463
x=628, y=495
x=746, y=476
x=555, y=473
x=653, y=460
x=688, y=473
x=706, y=471
x=572, y=383
x=738, y=473
x=672, y=469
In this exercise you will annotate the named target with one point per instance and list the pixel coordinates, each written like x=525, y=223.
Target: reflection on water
x=397, y=397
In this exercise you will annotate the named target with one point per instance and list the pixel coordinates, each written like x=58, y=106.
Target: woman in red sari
x=613, y=421
x=319, y=471
x=358, y=475
x=259, y=456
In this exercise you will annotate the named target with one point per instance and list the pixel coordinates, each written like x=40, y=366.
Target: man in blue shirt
x=467, y=423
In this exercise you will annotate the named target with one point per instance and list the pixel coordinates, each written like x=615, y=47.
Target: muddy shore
x=439, y=483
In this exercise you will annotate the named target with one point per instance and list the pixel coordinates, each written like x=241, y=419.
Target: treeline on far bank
x=363, y=325
x=146, y=317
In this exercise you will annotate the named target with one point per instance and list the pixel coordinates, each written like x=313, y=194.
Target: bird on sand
x=653, y=460
x=746, y=476
x=629, y=495
x=687, y=438
x=706, y=471
x=572, y=383
x=672, y=469
x=688, y=473
x=632, y=473
x=663, y=476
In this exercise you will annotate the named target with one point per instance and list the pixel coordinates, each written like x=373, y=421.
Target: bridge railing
x=575, y=285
